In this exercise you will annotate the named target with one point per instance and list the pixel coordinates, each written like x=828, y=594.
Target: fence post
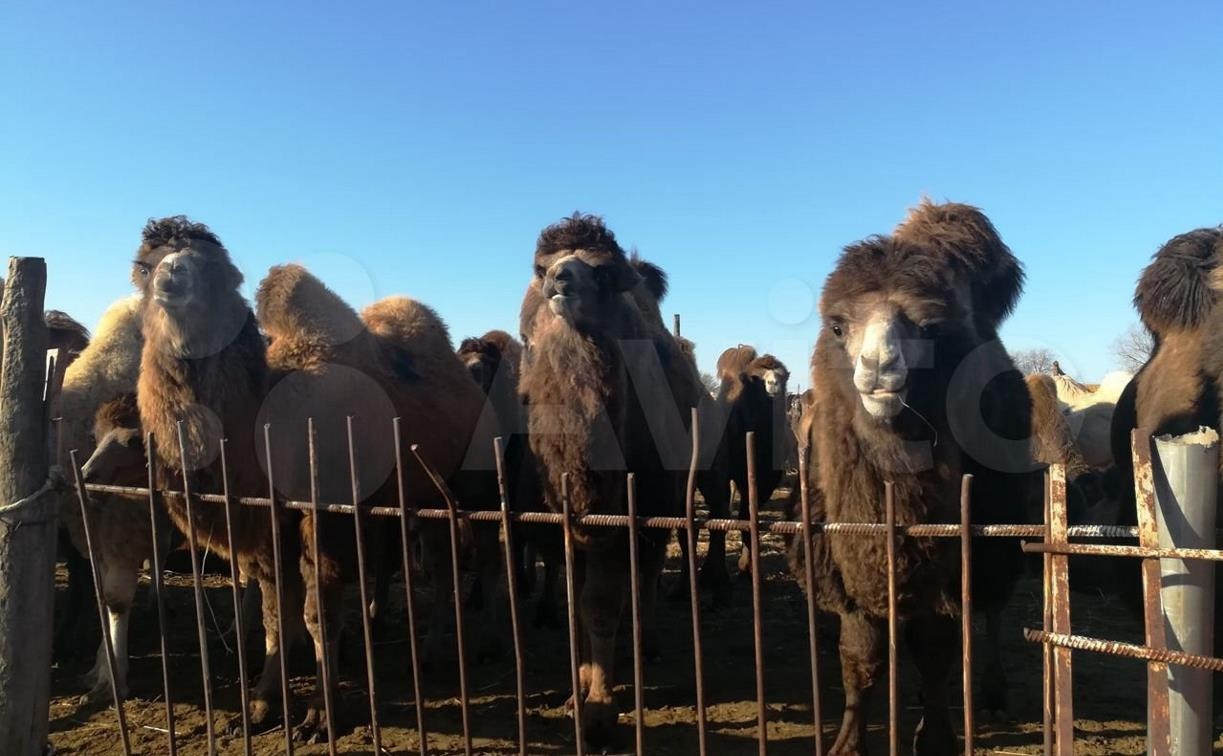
x=27, y=530
x=1186, y=482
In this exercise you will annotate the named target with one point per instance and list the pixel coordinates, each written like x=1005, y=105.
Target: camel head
x=771, y=374
x=581, y=271
x=118, y=457
x=481, y=358
x=901, y=312
x=188, y=282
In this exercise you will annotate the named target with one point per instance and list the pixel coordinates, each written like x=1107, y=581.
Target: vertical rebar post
x=571, y=603
x=150, y=449
x=808, y=537
x=507, y=533
x=197, y=586
x=282, y=643
x=319, y=598
x=966, y=607
x=694, y=593
x=889, y=505
x=358, y=526
x=409, y=599
x=239, y=622
x=103, y=611
x=634, y=562
x=762, y=730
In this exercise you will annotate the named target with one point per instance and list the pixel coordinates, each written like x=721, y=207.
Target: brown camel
x=203, y=364
x=608, y=392
x=913, y=387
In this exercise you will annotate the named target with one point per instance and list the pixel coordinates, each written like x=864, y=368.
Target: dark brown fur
x=204, y=366
x=588, y=424
x=944, y=264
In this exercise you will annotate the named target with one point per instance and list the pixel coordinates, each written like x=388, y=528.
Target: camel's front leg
x=602, y=602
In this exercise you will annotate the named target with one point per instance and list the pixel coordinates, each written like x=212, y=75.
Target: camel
x=395, y=360
x=103, y=371
x=608, y=391
x=204, y=365
x=752, y=393
x=913, y=387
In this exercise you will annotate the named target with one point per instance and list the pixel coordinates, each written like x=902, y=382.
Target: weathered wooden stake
x=27, y=530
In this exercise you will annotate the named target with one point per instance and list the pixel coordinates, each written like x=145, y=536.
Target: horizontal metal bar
x=1113, y=550
x=786, y=527
x=1118, y=648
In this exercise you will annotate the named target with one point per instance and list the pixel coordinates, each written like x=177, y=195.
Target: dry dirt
x=1109, y=692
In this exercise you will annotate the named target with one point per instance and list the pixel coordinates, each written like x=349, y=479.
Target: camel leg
x=601, y=605
x=313, y=727
x=119, y=583
x=993, y=678
x=435, y=547
x=653, y=555
x=547, y=610
x=862, y=656
x=267, y=691
x=714, y=574
x=491, y=634
x=932, y=643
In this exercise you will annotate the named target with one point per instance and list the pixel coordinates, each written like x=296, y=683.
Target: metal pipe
x=150, y=448
x=507, y=533
x=753, y=504
x=282, y=643
x=197, y=586
x=812, y=609
x=1128, y=650
x=103, y=611
x=319, y=599
x=409, y=599
x=1186, y=485
x=358, y=525
x=634, y=562
x=966, y=607
x=694, y=595
x=1116, y=550
x=239, y=623
x=889, y=499
x=571, y=606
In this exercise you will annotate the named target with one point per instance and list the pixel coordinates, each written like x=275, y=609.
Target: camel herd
x=911, y=386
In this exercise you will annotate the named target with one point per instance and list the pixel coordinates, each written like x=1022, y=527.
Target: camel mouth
x=883, y=404
x=560, y=304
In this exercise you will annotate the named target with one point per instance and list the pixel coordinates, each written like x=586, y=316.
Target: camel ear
x=620, y=277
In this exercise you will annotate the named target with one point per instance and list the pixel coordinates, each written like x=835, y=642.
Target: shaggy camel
x=1176, y=391
x=395, y=360
x=105, y=370
x=494, y=361
x=912, y=386
x=753, y=396
x=203, y=365
x=608, y=391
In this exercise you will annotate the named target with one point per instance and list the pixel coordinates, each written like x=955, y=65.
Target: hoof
x=745, y=561
x=599, y=725
x=98, y=697
x=313, y=729
x=934, y=738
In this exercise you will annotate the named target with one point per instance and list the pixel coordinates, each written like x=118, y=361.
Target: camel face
x=775, y=382
x=885, y=339
x=579, y=289
x=175, y=281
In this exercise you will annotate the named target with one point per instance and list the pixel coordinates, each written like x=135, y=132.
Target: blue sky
x=418, y=149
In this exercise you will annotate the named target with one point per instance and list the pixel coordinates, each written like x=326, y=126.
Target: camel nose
x=881, y=363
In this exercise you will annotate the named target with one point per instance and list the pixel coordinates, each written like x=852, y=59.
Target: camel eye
x=539, y=271
x=143, y=269
x=930, y=331
x=838, y=330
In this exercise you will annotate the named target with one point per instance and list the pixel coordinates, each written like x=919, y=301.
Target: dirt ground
x=1109, y=692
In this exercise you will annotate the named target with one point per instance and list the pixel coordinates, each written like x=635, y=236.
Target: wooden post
x=27, y=531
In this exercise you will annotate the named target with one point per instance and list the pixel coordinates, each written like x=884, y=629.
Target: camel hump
x=291, y=303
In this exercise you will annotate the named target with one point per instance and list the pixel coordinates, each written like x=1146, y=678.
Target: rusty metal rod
x=319, y=599
x=405, y=543
x=782, y=527
x=1128, y=650
x=812, y=610
x=966, y=607
x=103, y=610
x=694, y=595
x=197, y=586
x=1159, y=726
x=456, y=579
x=1112, y=550
x=358, y=525
x=1048, y=695
x=150, y=448
x=753, y=508
x=571, y=606
x=282, y=643
x=1062, y=660
x=889, y=498
x=239, y=623
x=634, y=563
x=507, y=533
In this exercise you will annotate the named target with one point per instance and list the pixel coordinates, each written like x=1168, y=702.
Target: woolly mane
x=578, y=231
x=1175, y=291
x=1053, y=440
x=767, y=362
x=960, y=238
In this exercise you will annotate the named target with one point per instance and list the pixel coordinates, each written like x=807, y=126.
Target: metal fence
x=1052, y=540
